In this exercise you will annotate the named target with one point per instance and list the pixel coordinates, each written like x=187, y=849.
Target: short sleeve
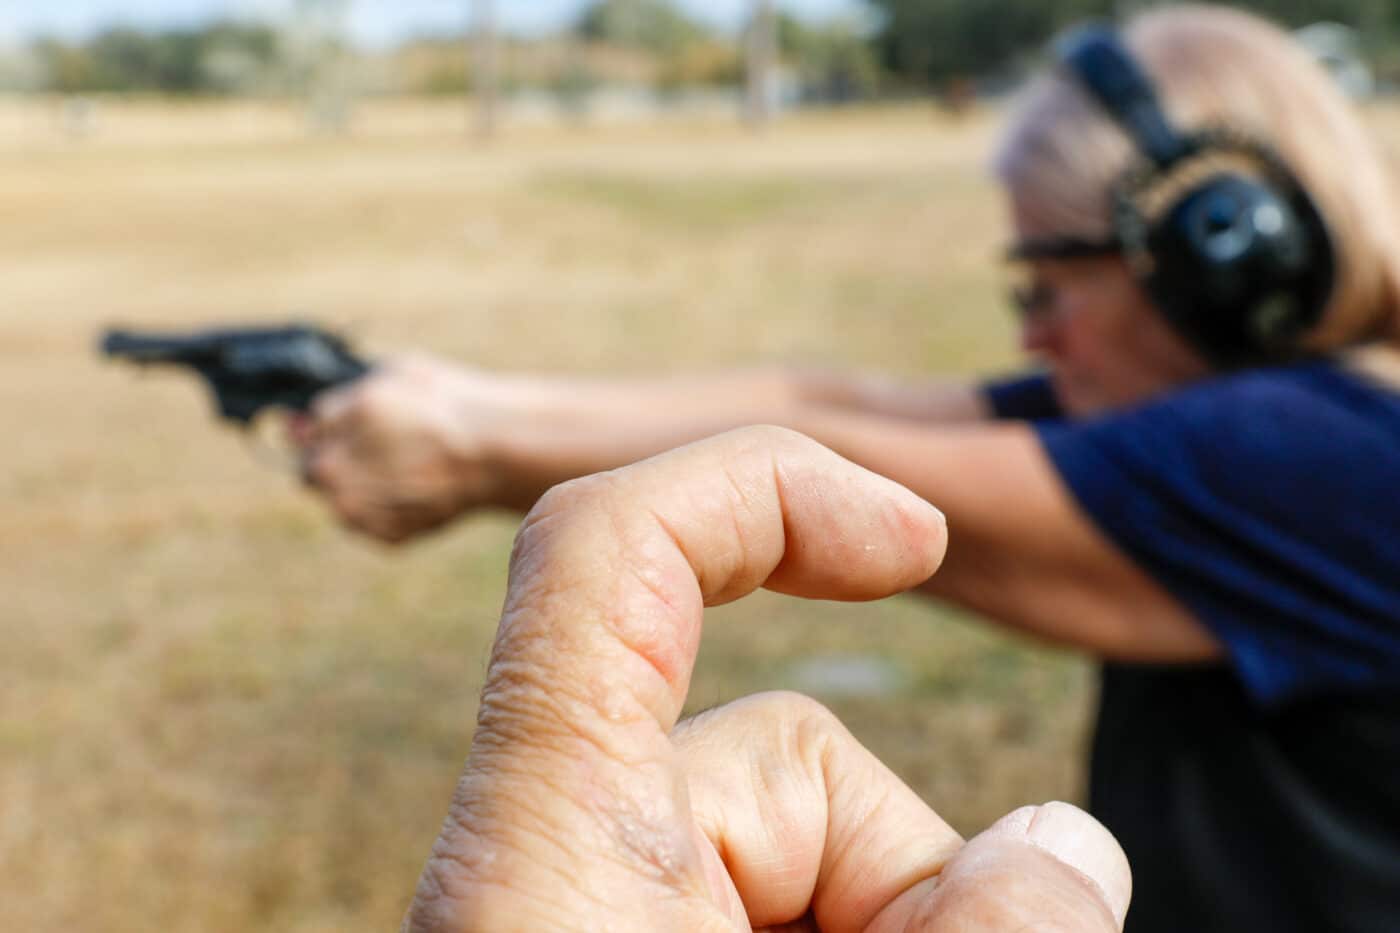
x=1269, y=508
x=1023, y=398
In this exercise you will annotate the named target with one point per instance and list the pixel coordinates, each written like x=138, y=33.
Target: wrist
x=516, y=428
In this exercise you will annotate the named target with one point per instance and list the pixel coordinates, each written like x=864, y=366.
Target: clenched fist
x=404, y=450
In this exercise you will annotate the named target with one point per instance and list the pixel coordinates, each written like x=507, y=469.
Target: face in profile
x=1093, y=325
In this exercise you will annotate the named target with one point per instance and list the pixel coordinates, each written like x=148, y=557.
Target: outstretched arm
x=414, y=447
x=421, y=441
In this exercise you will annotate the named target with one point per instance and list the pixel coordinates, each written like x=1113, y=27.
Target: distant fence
x=29, y=120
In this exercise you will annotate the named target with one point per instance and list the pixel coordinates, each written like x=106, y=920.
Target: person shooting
x=1199, y=491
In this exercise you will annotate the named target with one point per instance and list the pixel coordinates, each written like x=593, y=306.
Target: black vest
x=1236, y=819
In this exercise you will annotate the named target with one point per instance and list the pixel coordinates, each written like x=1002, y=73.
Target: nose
x=1040, y=334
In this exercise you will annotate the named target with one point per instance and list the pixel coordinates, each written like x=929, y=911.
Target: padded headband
x=1105, y=68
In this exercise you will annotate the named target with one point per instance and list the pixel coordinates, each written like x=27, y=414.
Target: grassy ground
x=217, y=711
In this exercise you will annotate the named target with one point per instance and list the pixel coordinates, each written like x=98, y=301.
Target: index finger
x=609, y=579
x=616, y=569
x=333, y=405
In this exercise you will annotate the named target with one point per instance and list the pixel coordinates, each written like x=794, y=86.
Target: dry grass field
x=219, y=712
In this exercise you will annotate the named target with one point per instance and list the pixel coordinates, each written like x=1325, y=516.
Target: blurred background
x=220, y=712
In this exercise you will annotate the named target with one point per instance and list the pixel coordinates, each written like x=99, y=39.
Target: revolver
x=248, y=369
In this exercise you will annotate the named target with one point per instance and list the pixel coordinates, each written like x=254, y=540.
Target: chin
x=1084, y=398
x=1079, y=398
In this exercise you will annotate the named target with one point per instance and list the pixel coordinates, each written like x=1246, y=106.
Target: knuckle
x=795, y=710
x=375, y=401
x=801, y=724
x=318, y=472
x=328, y=408
x=328, y=470
x=773, y=437
x=572, y=496
x=777, y=718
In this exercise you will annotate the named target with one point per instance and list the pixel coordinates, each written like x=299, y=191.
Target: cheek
x=1078, y=363
x=1124, y=357
x=1087, y=345
x=1099, y=364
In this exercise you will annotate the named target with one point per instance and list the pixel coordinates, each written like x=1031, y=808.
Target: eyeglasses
x=1063, y=248
x=1034, y=302
x=1038, y=302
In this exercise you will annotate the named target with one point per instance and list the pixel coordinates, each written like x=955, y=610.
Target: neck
x=1378, y=361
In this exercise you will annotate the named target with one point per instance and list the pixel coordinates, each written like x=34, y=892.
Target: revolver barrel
x=248, y=369
x=144, y=348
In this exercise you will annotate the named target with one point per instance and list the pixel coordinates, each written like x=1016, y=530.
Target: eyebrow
x=1062, y=248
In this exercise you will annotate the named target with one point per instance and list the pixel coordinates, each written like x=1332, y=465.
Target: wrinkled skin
x=583, y=806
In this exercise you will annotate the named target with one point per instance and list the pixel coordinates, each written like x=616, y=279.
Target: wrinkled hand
x=401, y=452
x=584, y=807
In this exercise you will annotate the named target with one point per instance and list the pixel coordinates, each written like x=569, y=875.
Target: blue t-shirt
x=1262, y=793
x=1267, y=501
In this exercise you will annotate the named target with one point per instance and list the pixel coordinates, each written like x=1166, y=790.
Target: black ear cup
x=1225, y=240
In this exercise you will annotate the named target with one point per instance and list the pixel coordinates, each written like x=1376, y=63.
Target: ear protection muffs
x=1216, y=226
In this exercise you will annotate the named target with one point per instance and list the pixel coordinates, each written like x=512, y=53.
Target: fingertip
x=927, y=530
x=1079, y=841
x=875, y=536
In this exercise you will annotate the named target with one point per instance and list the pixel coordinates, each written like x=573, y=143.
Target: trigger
x=272, y=439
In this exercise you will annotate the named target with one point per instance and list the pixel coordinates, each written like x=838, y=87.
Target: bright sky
x=373, y=22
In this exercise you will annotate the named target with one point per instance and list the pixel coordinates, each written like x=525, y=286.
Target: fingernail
x=1081, y=842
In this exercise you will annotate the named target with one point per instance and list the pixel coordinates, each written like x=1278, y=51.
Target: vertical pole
x=760, y=53
x=337, y=67
x=485, y=68
x=318, y=31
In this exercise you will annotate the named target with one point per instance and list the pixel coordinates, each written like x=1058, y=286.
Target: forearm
x=1020, y=553
x=941, y=401
x=563, y=428
x=421, y=441
x=1005, y=560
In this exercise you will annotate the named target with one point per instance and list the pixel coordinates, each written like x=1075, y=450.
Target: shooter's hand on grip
x=406, y=449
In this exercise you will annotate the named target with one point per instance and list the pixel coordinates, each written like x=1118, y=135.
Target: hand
x=402, y=451
x=584, y=807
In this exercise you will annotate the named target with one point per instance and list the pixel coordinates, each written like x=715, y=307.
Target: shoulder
x=1308, y=452
x=1274, y=422
x=1264, y=403
x=1265, y=501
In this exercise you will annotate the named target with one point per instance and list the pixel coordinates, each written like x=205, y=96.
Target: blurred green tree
x=654, y=25
x=1365, y=15
x=214, y=59
x=65, y=69
x=932, y=42
x=935, y=41
x=835, y=61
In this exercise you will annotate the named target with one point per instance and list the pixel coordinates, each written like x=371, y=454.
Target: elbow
x=1096, y=619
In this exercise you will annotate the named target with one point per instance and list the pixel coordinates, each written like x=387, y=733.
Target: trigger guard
x=261, y=439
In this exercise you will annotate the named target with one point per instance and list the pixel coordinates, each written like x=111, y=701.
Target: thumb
x=301, y=430
x=1052, y=868
x=573, y=786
